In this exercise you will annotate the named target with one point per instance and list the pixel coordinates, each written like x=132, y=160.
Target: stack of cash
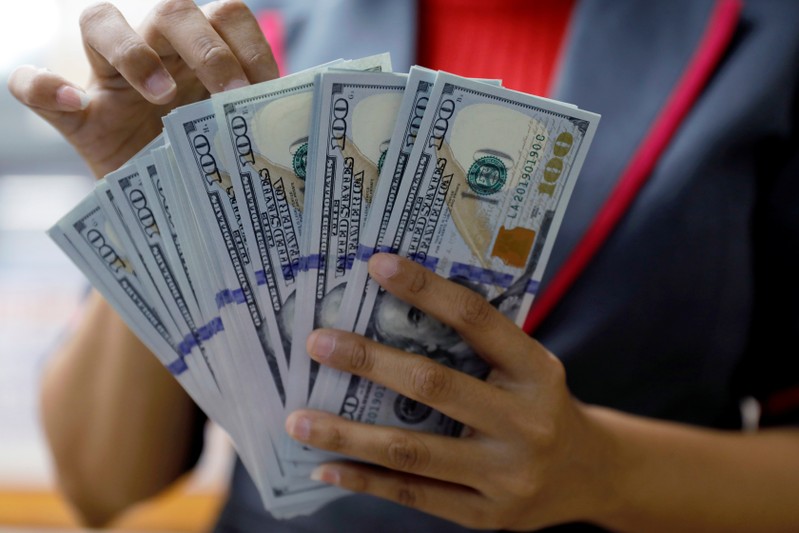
x=249, y=222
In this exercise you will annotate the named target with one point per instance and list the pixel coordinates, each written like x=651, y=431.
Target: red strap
x=715, y=40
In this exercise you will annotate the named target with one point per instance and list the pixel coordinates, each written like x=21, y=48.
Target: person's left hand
x=181, y=54
x=531, y=455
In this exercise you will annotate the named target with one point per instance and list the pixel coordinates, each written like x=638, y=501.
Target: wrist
x=602, y=483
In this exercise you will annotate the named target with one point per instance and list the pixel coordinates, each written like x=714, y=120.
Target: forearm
x=671, y=477
x=118, y=424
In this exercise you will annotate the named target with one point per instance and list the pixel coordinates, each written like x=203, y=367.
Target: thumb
x=51, y=96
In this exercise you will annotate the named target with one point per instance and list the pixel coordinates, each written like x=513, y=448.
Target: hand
x=181, y=54
x=531, y=455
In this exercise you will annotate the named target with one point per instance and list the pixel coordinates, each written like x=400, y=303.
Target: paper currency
x=163, y=230
x=264, y=142
x=121, y=194
x=355, y=120
x=357, y=304
x=250, y=220
x=193, y=134
x=87, y=237
x=257, y=371
x=483, y=194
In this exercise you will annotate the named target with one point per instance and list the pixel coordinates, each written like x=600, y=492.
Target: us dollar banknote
x=264, y=141
x=361, y=290
x=250, y=221
x=151, y=183
x=121, y=193
x=355, y=120
x=257, y=370
x=486, y=187
x=193, y=136
x=141, y=214
x=87, y=237
x=264, y=132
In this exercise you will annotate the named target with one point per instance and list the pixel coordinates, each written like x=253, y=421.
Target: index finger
x=491, y=334
x=237, y=25
x=180, y=26
x=114, y=49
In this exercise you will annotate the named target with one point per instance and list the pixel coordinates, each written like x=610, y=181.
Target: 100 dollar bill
x=265, y=130
x=193, y=135
x=356, y=116
x=485, y=189
x=86, y=235
x=361, y=289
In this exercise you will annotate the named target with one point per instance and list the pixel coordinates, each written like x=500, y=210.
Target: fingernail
x=159, y=85
x=72, y=98
x=384, y=265
x=322, y=344
x=326, y=474
x=235, y=84
x=300, y=428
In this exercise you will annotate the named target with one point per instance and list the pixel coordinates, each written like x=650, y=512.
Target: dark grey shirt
x=685, y=309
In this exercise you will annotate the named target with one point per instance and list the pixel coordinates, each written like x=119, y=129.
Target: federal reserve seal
x=300, y=160
x=411, y=411
x=487, y=175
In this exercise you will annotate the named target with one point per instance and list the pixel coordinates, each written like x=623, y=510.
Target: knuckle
x=173, y=8
x=474, y=310
x=212, y=54
x=334, y=440
x=26, y=87
x=540, y=433
x=94, y=14
x=361, y=358
x=522, y=485
x=508, y=516
x=475, y=517
x=257, y=55
x=419, y=281
x=36, y=90
x=128, y=51
x=556, y=373
x=406, y=454
x=430, y=382
x=358, y=482
x=546, y=438
x=408, y=495
x=542, y=437
x=228, y=11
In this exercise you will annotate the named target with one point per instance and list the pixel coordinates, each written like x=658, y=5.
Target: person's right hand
x=181, y=54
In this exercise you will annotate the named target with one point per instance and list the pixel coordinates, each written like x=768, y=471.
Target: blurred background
x=41, y=178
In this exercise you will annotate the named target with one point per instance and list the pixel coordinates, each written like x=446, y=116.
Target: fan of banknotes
x=249, y=222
